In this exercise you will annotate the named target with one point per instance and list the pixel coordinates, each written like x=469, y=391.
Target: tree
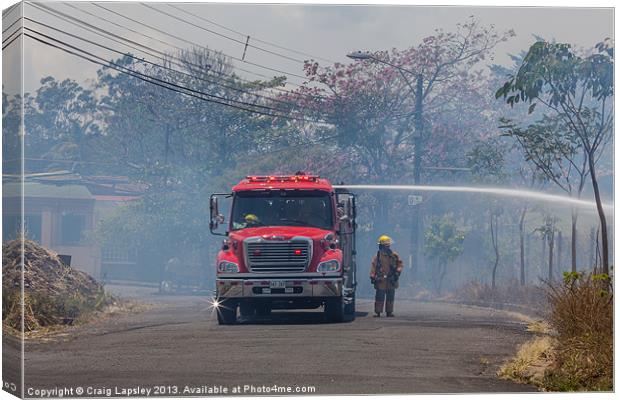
x=547, y=232
x=443, y=244
x=558, y=154
x=577, y=89
x=487, y=164
x=403, y=108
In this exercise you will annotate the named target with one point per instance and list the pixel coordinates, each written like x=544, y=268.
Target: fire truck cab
x=290, y=244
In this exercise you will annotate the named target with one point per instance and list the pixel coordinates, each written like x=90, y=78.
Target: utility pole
x=418, y=143
x=417, y=166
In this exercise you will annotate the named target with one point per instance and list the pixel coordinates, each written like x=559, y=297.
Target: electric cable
x=246, y=35
x=152, y=80
x=247, y=44
x=87, y=26
x=194, y=43
x=163, y=66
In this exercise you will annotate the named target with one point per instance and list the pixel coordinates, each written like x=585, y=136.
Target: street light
x=418, y=92
x=359, y=55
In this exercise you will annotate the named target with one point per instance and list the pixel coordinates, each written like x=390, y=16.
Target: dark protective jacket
x=385, y=269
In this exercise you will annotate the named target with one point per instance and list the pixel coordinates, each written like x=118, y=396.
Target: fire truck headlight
x=227, y=266
x=328, y=266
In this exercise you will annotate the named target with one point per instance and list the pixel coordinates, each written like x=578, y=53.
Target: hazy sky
x=324, y=31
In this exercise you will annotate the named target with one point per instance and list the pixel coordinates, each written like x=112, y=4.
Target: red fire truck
x=290, y=244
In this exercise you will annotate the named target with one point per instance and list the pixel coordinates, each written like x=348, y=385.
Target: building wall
x=47, y=216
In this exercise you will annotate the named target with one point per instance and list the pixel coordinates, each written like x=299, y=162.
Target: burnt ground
x=427, y=348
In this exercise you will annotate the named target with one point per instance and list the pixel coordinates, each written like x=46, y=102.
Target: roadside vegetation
x=576, y=353
x=55, y=295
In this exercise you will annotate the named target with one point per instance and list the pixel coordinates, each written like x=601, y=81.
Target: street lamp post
x=418, y=92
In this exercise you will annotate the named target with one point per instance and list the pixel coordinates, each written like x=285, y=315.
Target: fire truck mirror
x=215, y=212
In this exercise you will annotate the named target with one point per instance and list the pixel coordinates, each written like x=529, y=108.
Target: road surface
x=177, y=344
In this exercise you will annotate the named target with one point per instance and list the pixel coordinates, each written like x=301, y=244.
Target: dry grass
x=540, y=327
x=582, y=318
x=532, y=362
x=54, y=294
x=575, y=352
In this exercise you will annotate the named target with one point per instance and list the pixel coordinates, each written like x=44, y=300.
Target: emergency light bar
x=283, y=178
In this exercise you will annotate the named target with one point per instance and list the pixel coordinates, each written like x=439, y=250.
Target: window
x=71, y=228
x=282, y=208
x=11, y=225
x=116, y=255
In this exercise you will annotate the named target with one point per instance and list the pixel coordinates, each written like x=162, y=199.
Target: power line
x=154, y=78
x=121, y=40
x=245, y=35
x=12, y=40
x=69, y=18
x=150, y=79
x=10, y=26
x=164, y=67
x=244, y=43
x=14, y=32
x=194, y=43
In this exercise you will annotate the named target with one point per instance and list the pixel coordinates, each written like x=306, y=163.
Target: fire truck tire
x=227, y=313
x=246, y=309
x=334, y=310
x=349, y=309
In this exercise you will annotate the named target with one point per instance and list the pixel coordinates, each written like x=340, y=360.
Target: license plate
x=288, y=290
x=277, y=284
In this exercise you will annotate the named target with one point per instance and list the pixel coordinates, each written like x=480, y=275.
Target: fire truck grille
x=292, y=256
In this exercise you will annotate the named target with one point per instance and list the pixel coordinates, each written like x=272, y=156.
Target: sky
x=325, y=31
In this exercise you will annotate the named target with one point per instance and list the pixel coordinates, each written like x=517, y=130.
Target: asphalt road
x=426, y=348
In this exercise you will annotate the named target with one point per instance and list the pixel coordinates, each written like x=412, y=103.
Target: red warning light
x=283, y=178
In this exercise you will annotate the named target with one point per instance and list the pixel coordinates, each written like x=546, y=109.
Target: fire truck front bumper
x=272, y=287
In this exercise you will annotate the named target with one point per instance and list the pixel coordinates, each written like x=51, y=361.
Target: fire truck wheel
x=334, y=310
x=246, y=309
x=227, y=313
x=349, y=309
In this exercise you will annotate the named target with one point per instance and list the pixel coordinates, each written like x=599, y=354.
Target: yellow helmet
x=251, y=219
x=385, y=240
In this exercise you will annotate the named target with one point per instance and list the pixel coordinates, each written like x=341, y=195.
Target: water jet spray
x=503, y=192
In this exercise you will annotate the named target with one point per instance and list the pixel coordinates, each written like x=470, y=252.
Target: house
x=62, y=210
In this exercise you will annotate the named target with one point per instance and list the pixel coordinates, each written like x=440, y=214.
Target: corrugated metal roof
x=35, y=189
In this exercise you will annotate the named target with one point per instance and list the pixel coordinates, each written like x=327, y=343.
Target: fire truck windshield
x=282, y=208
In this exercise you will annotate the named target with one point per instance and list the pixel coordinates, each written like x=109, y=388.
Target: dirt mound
x=54, y=293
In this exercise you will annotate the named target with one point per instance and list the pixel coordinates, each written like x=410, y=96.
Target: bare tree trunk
x=522, y=244
x=592, y=260
x=559, y=268
x=601, y=215
x=573, y=241
x=494, y=235
x=597, y=254
x=543, y=257
x=528, y=259
x=442, y=274
x=550, y=242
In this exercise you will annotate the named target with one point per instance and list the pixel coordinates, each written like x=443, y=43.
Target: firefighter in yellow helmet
x=385, y=270
x=251, y=220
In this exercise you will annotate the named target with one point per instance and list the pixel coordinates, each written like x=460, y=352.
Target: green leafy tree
x=443, y=244
x=577, y=89
x=559, y=156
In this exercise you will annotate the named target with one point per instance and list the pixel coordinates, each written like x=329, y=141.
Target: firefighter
x=251, y=220
x=384, y=273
